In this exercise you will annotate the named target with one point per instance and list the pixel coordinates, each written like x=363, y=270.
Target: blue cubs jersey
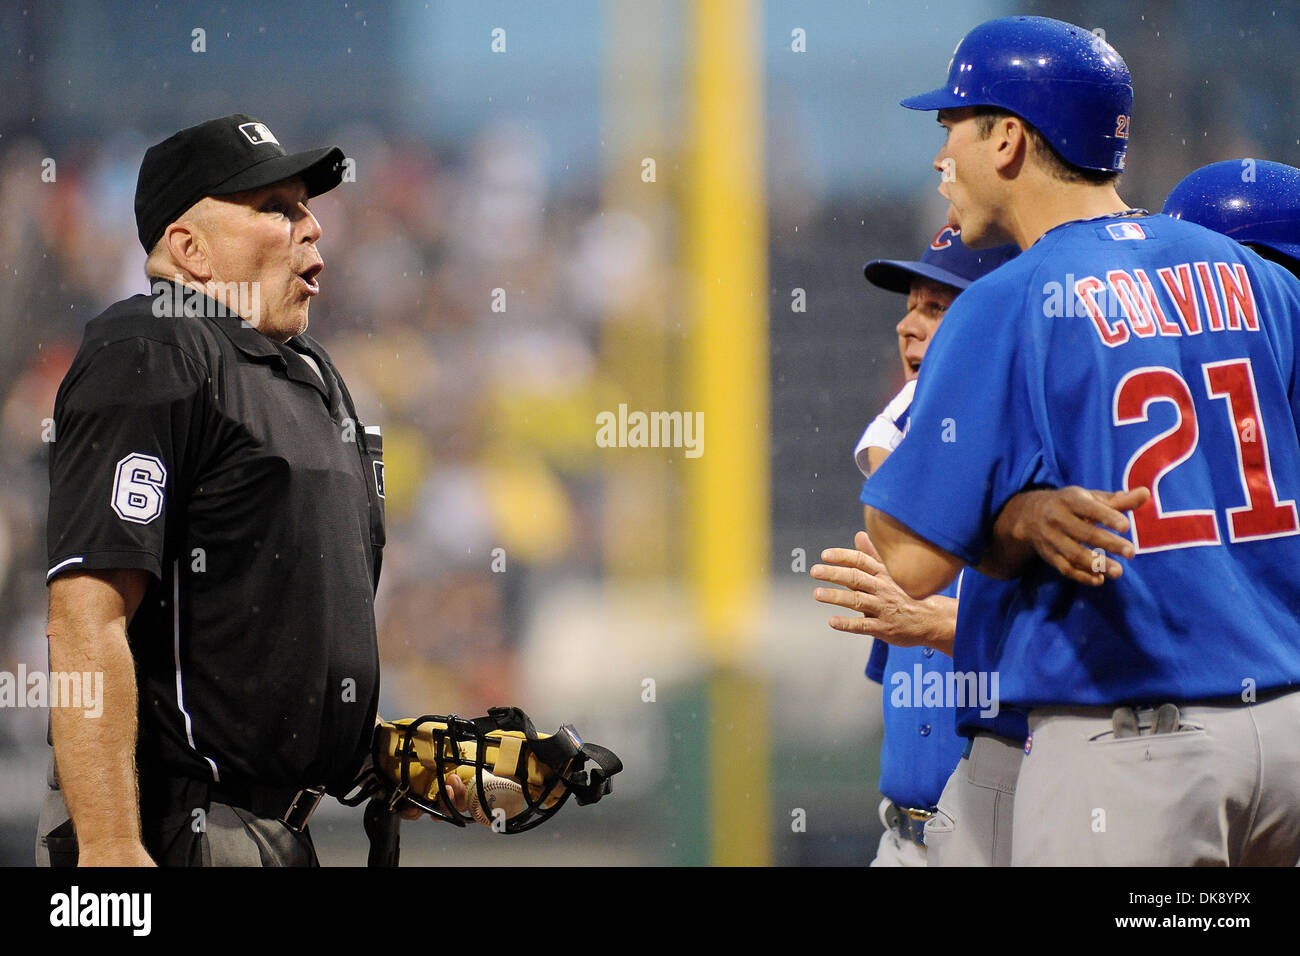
x=1112, y=354
x=921, y=746
x=983, y=608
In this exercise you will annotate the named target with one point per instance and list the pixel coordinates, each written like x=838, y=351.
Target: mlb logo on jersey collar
x=1125, y=230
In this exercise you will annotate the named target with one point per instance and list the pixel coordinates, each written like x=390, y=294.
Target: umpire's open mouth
x=308, y=277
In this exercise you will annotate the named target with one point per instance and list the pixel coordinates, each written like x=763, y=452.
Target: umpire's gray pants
x=192, y=831
x=971, y=825
x=1223, y=790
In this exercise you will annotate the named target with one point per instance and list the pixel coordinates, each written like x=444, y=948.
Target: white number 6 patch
x=138, y=488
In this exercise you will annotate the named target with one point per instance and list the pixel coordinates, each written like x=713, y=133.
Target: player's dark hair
x=986, y=117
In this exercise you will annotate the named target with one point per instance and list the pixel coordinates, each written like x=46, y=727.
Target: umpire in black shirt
x=215, y=529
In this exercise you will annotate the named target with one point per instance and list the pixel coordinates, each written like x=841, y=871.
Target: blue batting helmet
x=1251, y=200
x=1069, y=83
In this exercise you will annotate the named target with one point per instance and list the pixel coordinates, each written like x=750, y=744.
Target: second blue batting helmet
x=1069, y=83
x=1250, y=200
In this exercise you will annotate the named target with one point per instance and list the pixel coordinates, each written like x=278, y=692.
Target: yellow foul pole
x=727, y=365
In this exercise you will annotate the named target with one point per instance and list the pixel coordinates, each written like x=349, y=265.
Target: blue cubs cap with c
x=946, y=260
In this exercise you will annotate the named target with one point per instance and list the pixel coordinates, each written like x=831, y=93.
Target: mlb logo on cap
x=1126, y=230
x=257, y=134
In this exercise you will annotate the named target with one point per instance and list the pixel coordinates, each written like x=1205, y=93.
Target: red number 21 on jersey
x=1155, y=529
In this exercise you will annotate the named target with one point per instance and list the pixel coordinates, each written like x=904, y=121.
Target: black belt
x=291, y=807
x=907, y=822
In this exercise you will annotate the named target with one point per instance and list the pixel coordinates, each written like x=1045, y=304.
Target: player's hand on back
x=1068, y=528
x=887, y=611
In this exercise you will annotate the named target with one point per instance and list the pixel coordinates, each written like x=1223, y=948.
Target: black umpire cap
x=217, y=158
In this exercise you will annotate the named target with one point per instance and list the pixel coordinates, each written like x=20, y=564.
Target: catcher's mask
x=412, y=758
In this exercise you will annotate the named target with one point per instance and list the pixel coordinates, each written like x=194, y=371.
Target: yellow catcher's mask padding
x=411, y=760
x=507, y=759
x=506, y=754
